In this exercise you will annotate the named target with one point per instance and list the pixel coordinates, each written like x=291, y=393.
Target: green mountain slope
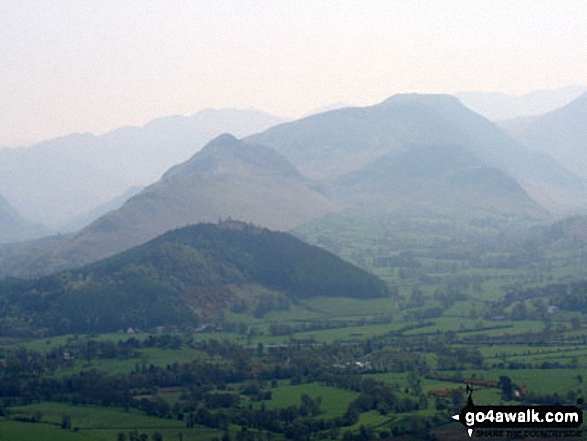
x=179, y=277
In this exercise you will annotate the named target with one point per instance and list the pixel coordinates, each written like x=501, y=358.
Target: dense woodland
x=164, y=281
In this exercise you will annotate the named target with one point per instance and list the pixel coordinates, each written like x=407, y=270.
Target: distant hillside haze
x=423, y=180
x=561, y=133
x=226, y=179
x=56, y=181
x=13, y=227
x=334, y=143
x=338, y=141
x=87, y=218
x=575, y=227
x=409, y=154
x=498, y=106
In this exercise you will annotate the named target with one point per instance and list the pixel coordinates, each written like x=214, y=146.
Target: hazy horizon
x=73, y=66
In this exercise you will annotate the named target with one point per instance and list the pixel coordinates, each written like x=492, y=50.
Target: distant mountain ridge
x=13, y=227
x=55, y=181
x=408, y=153
x=561, y=133
x=226, y=179
x=425, y=179
x=499, y=106
x=87, y=218
x=334, y=143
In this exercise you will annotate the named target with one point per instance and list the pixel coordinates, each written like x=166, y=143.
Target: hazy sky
x=75, y=65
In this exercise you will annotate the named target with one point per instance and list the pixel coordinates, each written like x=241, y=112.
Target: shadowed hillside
x=179, y=277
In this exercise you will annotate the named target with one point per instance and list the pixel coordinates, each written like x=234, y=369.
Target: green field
x=93, y=423
x=465, y=302
x=334, y=401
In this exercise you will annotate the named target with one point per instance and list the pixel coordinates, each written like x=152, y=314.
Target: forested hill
x=181, y=277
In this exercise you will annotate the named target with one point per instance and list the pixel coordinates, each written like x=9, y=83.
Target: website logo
x=520, y=421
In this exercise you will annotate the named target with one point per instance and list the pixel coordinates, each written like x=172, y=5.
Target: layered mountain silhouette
x=85, y=219
x=431, y=179
x=331, y=144
x=58, y=181
x=13, y=227
x=226, y=179
x=499, y=106
x=182, y=276
x=561, y=133
x=411, y=153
